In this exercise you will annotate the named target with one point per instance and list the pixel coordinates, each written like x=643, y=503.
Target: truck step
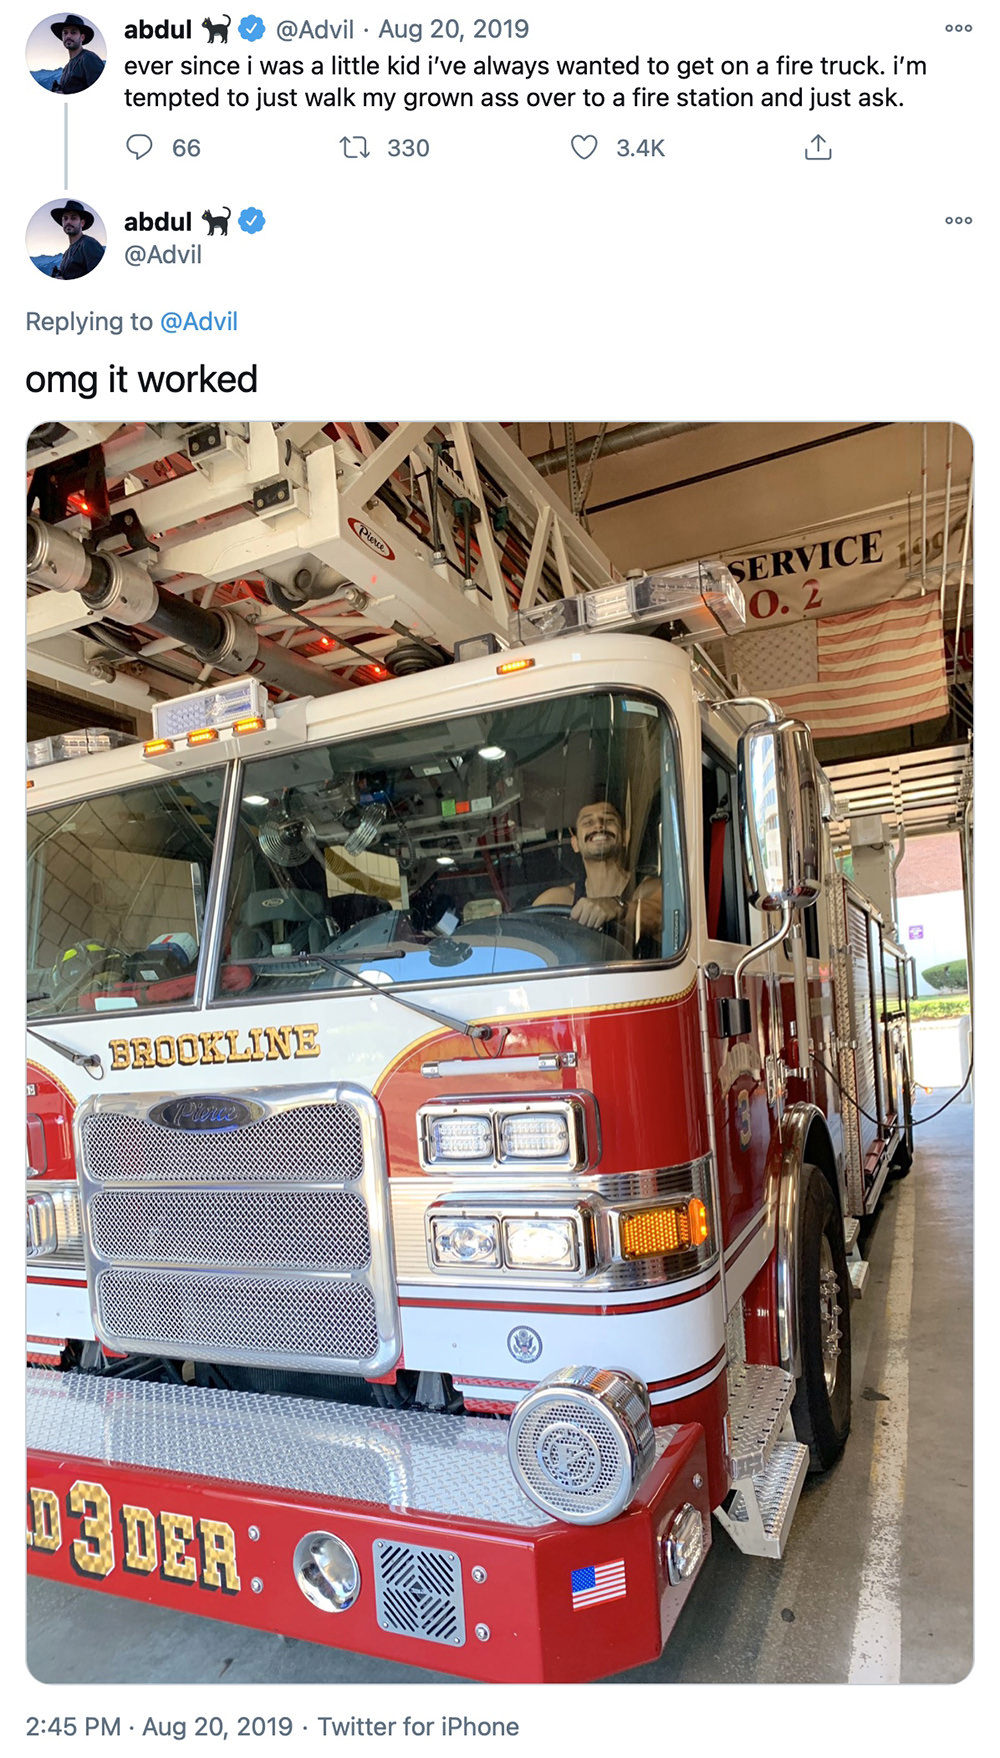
x=858, y=1271
x=758, y=1513
x=758, y=1401
x=852, y=1227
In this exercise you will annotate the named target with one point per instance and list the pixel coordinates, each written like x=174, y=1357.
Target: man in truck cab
x=609, y=896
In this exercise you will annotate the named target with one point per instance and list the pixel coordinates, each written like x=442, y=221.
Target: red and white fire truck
x=451, y=1108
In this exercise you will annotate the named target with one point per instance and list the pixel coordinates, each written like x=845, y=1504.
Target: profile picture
x=66, y=54
x=65, y=239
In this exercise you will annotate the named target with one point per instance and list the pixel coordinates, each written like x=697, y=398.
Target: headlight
x=460, y=1137
x=483, y=1134
x=543, y=1243
x=548, y=1238
x=535, y=1135
x=462, y=1240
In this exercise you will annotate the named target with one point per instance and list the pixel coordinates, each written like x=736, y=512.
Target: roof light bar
x=61, y=747
x=239, y=699
x=703, y=596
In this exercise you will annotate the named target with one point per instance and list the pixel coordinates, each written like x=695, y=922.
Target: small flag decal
x=598, y=1582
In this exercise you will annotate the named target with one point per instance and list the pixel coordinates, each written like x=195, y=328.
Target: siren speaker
x=581, y=1443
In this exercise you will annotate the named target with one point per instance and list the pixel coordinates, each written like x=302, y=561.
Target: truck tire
x=902, y=1159
x=821, y=1408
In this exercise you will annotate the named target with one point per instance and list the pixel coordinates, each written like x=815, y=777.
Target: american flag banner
x=597, y=1582
x=864, y=672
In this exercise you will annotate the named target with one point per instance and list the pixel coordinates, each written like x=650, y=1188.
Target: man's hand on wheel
x=596, y=912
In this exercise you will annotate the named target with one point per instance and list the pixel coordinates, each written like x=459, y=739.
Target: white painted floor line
x=876, y=1647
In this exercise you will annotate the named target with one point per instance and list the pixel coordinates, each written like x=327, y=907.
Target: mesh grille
x=570, y=1454
x=318, y=1229
x=265, y=1245
x=418, y=1592
x=304, y=1142
x=243, y=1315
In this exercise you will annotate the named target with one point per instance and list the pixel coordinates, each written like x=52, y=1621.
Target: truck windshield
x=513, y=840
x=116, y=896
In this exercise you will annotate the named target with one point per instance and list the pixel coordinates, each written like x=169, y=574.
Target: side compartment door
x=747, y=1093
x=863, y=998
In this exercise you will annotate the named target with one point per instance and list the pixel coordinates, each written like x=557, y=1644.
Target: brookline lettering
x=198, y=1049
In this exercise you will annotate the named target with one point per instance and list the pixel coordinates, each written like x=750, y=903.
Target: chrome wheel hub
x=829, y=1313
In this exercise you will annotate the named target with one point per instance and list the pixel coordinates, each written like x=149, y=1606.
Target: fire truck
x=453, y=1098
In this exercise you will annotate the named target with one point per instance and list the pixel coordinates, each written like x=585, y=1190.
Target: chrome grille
x=268, y=1244
x=253, y=1314
x=314, y=1228
x=301, y=1142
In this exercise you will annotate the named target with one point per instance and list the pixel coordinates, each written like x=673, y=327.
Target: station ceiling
x=818, y=521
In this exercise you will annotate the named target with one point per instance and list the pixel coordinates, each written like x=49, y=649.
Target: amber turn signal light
x=658, y=1232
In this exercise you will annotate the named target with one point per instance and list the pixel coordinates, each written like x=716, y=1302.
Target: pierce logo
x=204, y=1113
x=372, y=539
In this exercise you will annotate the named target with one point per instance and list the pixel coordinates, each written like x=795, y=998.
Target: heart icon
x=583, y=145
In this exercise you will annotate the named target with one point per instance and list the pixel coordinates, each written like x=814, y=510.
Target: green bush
x=952, y=976
x=939, y=1007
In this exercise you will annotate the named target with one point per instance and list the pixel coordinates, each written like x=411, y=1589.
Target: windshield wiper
x=301, y=960
x=91, y=1063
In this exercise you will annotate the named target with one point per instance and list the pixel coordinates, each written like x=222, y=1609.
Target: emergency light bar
x=703, y=596
x=219, y=708
x=60, y=747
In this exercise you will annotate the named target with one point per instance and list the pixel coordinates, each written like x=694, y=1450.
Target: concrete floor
x=876, y=1582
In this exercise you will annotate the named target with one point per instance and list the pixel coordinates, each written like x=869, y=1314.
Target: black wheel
x=821, y=1409
x=902, y=1159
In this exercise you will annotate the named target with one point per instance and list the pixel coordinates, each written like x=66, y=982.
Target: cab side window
x=725, y=900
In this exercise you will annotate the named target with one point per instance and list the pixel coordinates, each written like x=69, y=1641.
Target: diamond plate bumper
x=196, y=1499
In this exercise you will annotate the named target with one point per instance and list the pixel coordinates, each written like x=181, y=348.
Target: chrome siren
x=581, y=1443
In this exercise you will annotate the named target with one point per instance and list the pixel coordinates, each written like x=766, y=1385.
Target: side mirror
x=781, y=815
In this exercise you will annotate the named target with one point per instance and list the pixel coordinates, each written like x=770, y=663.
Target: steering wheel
x=566, y=910
x=542, y=909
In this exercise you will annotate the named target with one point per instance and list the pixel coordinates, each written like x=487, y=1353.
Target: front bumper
x=197, y=1499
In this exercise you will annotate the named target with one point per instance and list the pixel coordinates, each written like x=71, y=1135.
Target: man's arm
x=645, y=912
x=641, y=914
